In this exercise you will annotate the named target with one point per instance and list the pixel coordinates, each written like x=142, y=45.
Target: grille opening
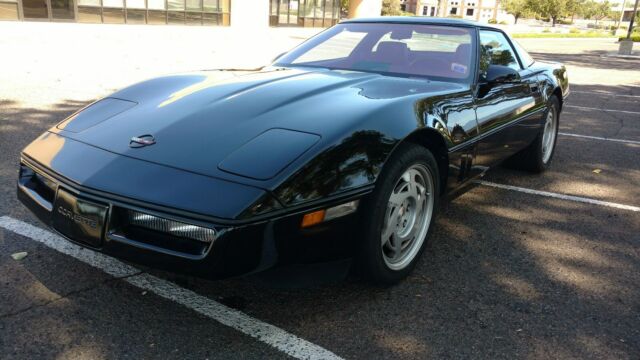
x=37, y=183
x=159, y=233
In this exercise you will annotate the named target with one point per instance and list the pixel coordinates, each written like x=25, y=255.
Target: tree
x=517, y=8
x=596, y=10
x=603, y=10
x=589, y=9
x=574, y=7
x=554, y=9
x=391, y=8
x=344, y=6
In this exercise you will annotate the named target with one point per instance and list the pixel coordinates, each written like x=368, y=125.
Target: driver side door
x=506, y=111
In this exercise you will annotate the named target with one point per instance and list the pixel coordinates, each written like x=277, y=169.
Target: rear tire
x=537, y=156
x=398, y=217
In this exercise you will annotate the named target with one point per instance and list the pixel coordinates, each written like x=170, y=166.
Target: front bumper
x=239, y=248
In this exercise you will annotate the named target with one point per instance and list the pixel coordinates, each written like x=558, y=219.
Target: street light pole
x=624, y=4
x=633, y=17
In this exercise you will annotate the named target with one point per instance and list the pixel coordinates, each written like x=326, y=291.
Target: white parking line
x=604, y=93
x=598, y=109
x=266, y=333
x=560, y=196
x=600, y=138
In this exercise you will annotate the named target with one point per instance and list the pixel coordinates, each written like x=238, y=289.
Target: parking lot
x=522, y=266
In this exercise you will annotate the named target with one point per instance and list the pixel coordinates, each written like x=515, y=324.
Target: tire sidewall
x=369, y=255
x=554, y=103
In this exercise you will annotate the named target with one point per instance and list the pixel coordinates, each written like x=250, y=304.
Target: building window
x=433, y=11
x=307, y=13
x=425, y=10
x=469, y=12
x=453, y=11
x=199, y=12
x=403, y=7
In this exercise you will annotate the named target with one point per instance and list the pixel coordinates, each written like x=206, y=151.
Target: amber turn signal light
x=313, y=218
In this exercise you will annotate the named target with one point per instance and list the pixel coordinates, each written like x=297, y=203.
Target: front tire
x=399, y=216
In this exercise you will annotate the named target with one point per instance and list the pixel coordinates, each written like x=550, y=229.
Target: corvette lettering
x=83, y=220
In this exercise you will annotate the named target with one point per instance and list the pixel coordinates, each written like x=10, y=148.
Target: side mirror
x=499, y=74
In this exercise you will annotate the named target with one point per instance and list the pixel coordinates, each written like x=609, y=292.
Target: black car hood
x=198, y=120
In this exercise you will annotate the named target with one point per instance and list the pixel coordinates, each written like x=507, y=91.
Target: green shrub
x=493, y=21
x=565, y=22
x=634, y=38
x=599, y=26
x=546, y=30
x=503, y=23
x=574, y=31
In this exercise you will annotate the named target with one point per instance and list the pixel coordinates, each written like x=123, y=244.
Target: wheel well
x=435, y=143
x=558, y=93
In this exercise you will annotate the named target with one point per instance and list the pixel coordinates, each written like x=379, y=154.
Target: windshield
x=438, y=52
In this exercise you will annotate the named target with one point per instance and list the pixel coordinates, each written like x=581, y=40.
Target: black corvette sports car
x=341, y=148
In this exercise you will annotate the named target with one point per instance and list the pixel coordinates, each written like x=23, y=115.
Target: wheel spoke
x=388, y=230
x=396, y=199
x=397, y=247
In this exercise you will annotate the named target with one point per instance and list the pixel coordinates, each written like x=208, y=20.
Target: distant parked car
x=343, y=147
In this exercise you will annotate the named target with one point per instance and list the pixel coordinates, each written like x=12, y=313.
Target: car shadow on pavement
x=505, y=275
x=19, y=125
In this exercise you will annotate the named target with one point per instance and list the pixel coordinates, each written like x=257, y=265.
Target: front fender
x=356, y=160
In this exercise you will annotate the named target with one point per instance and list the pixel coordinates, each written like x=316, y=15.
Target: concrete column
x=250, y=14
x=444, y=12
x=364, y=8
x=495, y=10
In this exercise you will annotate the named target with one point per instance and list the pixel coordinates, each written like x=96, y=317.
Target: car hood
x=208, y=122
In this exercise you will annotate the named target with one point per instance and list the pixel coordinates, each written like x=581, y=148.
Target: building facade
x=478, y=10
x=303, y=13
x=310, y=13
x=306, y=13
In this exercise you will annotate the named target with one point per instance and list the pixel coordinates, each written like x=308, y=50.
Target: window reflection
x=194, y=18
x=35, y=9
x=62, y=9
x=156, y=17
x=175, y=17
x=136, y=16
x=176, y=4
x=496, y=50
x=113, y=16
x=194, y=4
x=89, y=14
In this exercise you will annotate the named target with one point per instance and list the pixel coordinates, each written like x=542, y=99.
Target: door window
x=495, y=49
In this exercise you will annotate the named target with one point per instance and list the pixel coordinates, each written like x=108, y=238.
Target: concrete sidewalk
x=43, y=63
x=48, y=63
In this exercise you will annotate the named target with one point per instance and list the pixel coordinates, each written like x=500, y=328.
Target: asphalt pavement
x=524, y=266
